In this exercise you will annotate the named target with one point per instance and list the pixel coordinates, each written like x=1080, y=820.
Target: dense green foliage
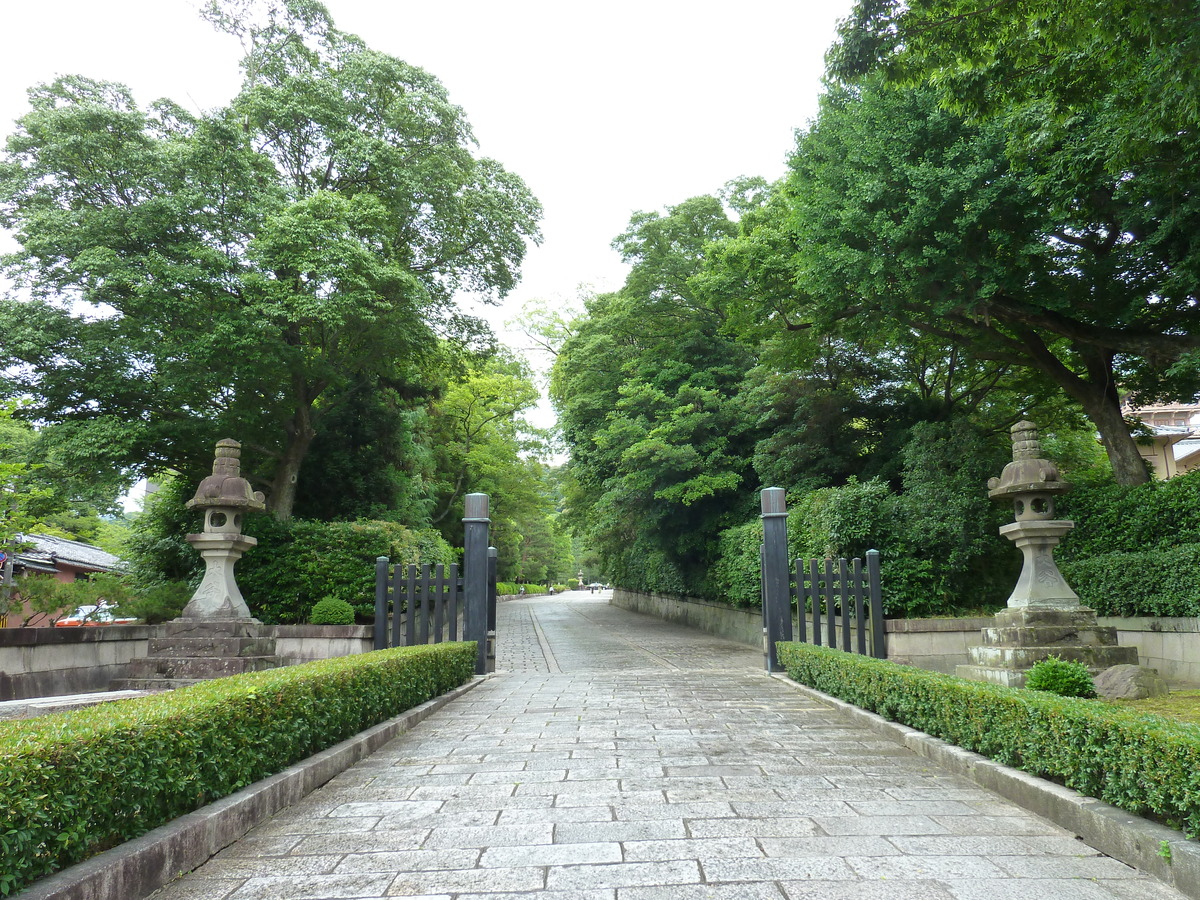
x=299, y=562
x=1140, y=583
x=960, y=243
x=251, y=269
x=172, y=753
x=1134, y=550
x=331, y=611
x=1064, y=677
x=1140, y=763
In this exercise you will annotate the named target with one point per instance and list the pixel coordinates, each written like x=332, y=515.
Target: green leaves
x=244, y=266
x=172, y=753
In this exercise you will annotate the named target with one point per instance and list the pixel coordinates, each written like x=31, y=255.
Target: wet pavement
x=617, y=757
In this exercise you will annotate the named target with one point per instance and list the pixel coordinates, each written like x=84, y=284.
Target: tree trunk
x=1128, y=466
x=1097, y=394
x=1102, y=404
x=300, y=435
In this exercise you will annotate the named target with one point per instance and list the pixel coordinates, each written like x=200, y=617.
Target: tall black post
x=475, y=576
x=381, y=602
x=776, y=587
x=491, y=606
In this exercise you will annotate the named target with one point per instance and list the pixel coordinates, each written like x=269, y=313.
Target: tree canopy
x=240, y=272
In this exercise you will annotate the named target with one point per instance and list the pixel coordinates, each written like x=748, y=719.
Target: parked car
x=93, y=615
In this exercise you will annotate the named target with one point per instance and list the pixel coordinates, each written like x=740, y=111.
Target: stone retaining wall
x=51, y=662
x=1171, y=645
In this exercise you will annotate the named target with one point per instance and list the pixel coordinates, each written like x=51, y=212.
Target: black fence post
x=381, y=602
x=875, y=594
x=777, y=595
x=475, y=576
x=491, y=609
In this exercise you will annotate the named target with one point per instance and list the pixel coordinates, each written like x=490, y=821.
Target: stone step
x=204, y=628
x=1049, y=636
x=153, y=684
x=211, y=645
x=197, y=667
x=1096, y=658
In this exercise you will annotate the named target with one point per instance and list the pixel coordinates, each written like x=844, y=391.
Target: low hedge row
x=75, y=784
x=1141, y=763
x=1145, y=583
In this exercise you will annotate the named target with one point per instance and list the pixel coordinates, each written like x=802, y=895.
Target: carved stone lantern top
x=226, y=487
x=1028, y=475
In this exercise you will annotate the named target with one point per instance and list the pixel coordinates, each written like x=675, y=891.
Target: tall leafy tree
x=1094, y=105
x=239, y=272
x=907, y=215
x=644, y=389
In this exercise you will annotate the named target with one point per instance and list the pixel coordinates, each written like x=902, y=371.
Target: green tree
x=906, y=216
x=1094, y=107
x=644, y=390
x=238, y=272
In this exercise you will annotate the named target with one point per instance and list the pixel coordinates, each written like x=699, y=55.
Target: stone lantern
x=1044, y=616
x=225, y=497
x=1032, y=484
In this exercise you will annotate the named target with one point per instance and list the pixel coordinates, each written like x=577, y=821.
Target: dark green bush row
x=299, y=562
x=75, y=784
x=508, y=588
x=1142, y=763
x=1148, y=583
x=1110, y=518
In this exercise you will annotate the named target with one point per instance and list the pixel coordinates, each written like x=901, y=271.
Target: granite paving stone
x=617, y=757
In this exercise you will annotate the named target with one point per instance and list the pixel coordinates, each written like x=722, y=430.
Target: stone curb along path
x=1149, y=847
x=139, y=867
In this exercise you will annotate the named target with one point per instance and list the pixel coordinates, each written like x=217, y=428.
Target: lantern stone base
x=1023, y=636
x=190, y=650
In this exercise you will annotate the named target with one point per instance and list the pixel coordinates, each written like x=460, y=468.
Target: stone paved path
x=620, y=758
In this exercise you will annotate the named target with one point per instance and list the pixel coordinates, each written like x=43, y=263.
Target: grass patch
x=1181, y=706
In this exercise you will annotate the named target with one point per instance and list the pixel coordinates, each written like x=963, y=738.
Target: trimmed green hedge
x=75, y=784
x=297, y=563
x=1147, y=583
x=1145, y=764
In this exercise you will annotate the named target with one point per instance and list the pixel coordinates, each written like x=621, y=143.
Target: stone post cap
x=225, y=486
x=1028, y=472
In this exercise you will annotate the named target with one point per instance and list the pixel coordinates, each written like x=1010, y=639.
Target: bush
x=513, y=589
x=172, y=753
x=1146, y=583
x=297, y=563
x=1110, y=518
x=331, y=611
x=159, y=602
x=572, y=584
x=1064, y=677
x=1144, y=764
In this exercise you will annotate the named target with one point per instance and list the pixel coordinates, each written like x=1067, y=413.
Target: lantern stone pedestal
x=1044, y=616
x=216, y=635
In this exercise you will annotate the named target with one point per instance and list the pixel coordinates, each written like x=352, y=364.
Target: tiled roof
x=47, y=551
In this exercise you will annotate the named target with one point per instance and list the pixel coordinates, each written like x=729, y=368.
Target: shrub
x=174, y=752
x=331, y=611
x=159, y=602
x=297, y=563
x=1110, y=518
x=1141, y=763
x=1147, y=583
x=1064, y=677
x=572, y=584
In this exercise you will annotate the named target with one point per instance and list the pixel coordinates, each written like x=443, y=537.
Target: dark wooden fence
x=431, y=604
x=840, y=595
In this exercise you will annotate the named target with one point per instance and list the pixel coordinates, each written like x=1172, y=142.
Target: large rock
x=1130, y=683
